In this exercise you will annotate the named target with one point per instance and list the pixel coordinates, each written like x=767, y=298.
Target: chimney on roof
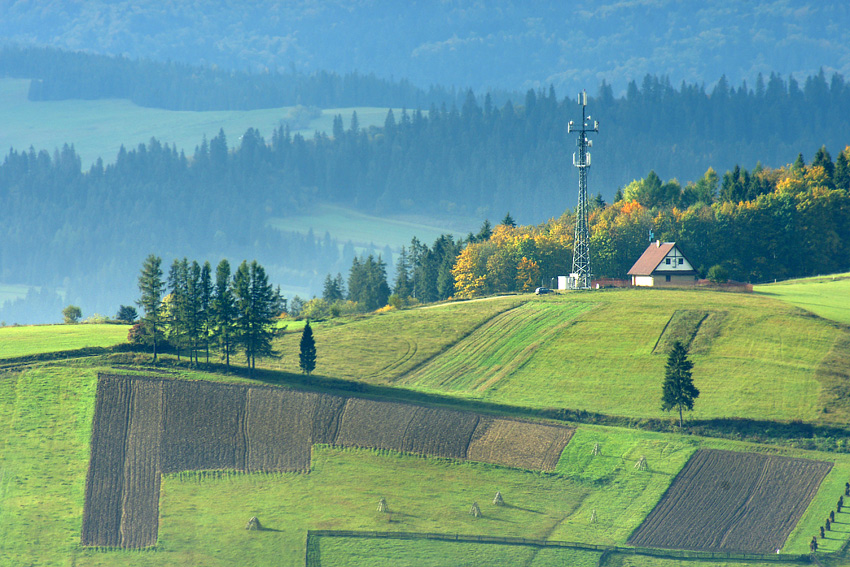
x=658, y=244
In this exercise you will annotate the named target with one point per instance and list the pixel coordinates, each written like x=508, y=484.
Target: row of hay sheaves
x=146, y=426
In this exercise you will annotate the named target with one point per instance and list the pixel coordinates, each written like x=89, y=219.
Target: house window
x=668, y=261
x=667, y=278
x=681, y=261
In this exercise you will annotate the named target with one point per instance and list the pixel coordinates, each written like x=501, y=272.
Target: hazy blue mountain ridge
x=466, y=43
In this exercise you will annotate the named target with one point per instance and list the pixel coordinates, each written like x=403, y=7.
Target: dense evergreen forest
x=61, y=227
x=62, y=75
x=486, y=153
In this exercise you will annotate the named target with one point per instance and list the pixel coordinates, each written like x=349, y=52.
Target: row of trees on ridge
x=233, y=312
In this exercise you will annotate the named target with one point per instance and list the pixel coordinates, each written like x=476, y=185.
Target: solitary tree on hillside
x=151, y=288
x=308, y=350
x=679, y=391
x=72, y=314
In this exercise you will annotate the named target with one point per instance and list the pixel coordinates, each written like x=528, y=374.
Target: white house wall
x=674, y=256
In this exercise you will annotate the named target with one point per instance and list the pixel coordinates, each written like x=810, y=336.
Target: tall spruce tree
x=307, y=355
x=223, y=309
x=678, y=392
x=842, y=171
x=332, y=290
x=177, y=305
x=402, y=286
x=193, y=309
x=205, y=301
x=257, y=305
x=151, y=288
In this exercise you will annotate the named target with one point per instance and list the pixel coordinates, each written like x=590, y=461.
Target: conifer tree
x=151, y=288
x=205, y=302
x=223, y=309
x=842, y=171
x=678, y=391
x=824, y=160
x=402, y=286
x=177, y=304
x=257, y=305
x=307, y=356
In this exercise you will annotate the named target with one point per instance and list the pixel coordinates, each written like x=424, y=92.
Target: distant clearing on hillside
x=147, y=426
x=98, y=128
x=364, y=230
x=754, y=502
x=826, y=296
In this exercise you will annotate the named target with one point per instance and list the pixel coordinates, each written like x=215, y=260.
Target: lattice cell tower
x=581, y=274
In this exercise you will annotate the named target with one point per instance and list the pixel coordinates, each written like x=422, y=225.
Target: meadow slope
x=754, y=357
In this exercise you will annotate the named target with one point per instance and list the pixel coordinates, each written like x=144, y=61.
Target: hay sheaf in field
x=755, y=501
x=146, y=426
x=517, y=443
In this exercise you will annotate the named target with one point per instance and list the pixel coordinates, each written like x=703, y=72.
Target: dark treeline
x=61, y=75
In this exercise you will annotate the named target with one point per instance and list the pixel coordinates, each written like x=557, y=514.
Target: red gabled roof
x=650, y=258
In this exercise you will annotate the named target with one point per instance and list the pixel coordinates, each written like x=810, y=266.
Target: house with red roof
x=663, y=264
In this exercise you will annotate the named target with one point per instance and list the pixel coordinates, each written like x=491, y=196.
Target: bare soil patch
x=517, y=443
x=283, y=425
x=728, y=501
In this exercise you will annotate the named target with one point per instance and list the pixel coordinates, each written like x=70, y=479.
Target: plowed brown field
x=403, y=427
x=144, y=427
x=517, y=443
x=728, y=501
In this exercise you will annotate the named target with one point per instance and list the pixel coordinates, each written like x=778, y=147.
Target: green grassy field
x=23, y=341
x=98, y=128
x=825, y=296
x=45, y=419
x=355, y=552
x=46, y=415
x=760, y=358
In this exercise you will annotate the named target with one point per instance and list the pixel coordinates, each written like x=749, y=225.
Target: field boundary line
x=312, y=559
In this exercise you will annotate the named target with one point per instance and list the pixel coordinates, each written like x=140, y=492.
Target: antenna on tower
x=581, y=275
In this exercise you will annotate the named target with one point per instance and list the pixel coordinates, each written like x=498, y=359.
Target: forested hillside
x=470, y=152
x=63, y=227
x=466, y=43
